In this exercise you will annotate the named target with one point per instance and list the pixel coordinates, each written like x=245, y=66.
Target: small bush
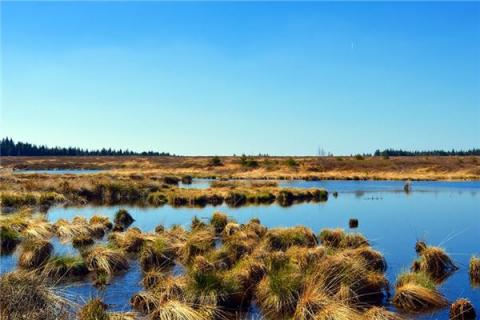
x=215, y=161
x=291, y=162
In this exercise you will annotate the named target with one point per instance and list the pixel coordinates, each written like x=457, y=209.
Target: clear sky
x=224, y=78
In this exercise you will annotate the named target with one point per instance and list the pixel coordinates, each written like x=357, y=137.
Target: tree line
x=404, y=153
x=10, y=148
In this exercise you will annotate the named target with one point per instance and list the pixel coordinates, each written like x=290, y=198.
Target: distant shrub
x=359, y=157
x=248, y=162
x=291, y=162
x=215, y=161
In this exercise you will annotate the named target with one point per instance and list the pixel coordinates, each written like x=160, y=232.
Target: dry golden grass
x=398, y=168
x=462, y=309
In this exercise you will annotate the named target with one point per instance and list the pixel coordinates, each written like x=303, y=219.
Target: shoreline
x=427, y=168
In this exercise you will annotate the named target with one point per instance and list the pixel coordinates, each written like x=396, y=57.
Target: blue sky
x=224, y=78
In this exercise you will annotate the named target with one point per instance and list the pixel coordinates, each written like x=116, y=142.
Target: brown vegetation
x=398, y=168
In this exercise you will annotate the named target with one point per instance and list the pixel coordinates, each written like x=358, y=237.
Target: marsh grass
x=474, y=270
x=34, y=253
x=462, y=309
x=102, y=259
x=131, y=240
x=65, y=268
x=28, y=295
x=219, y=220
x=416, y=298
x=416, y=292
x=123, y=218
x=435, y=262
x=9, y=239
x=94, y=309
x=279, y=290
x=157, y=253
x=284, y=238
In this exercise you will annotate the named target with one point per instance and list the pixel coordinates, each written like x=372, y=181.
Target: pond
x=442, y=213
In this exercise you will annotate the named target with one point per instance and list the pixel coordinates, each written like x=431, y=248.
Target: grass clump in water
x=34, y=253
x=65, y=267
x=9, y=239
x=157, y=198
x=462, y=309
x=278, y=291
x=416, y=292
x=105, y=260
x=123, y=218
x=28, y=295
x=219, y=220
x=474, y=270
x=284, y=238
x=94, y=309
x=435, y=262
x=157, y=253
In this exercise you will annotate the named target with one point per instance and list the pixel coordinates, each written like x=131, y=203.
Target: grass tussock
x=279, y=290
x=416, y=292
x=9, y=239
x=462, y=309
x=131, y=241
x=199, y=242
x=474, y=270
x=284, y=238
x=339, y=239
x=65, y=268
x=157, y=253
x=94, y=309
x=380, y=313
x=123, y=218
x=435, y=262
x=26, y=295
x=34, y=253
x=105, y=260
x=219, y=220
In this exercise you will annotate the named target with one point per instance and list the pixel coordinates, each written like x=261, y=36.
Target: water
x=442, y=213
x=60, y=171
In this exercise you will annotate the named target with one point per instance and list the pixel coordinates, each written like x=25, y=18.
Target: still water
x=442, y=213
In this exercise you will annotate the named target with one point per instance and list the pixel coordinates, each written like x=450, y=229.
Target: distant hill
x=10, y=148
x=404, y=153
